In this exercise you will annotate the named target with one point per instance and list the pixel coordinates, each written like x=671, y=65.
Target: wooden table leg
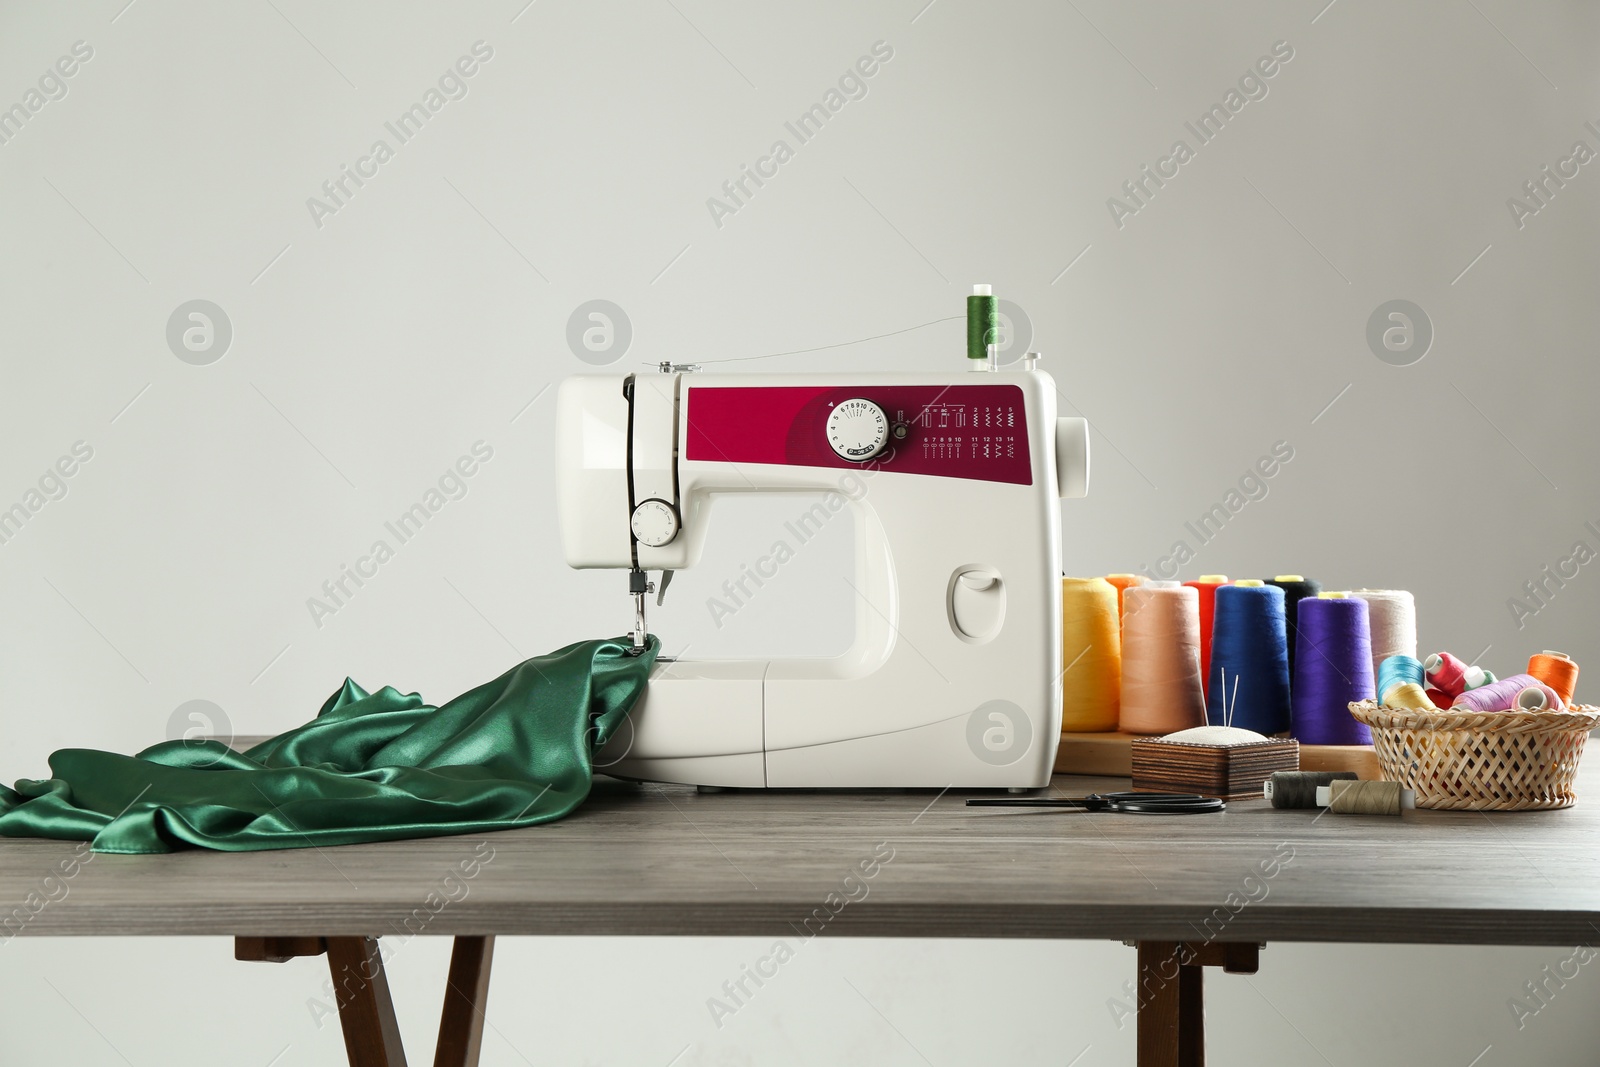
x=466, y=995
x=1171, y=1007
x=366, y=1012
x=1191, y=1016
x=1172, y=1014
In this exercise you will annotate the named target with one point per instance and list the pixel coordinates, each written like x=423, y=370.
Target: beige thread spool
x=1393, y=614
x=1365, y=798
x=1161, y=687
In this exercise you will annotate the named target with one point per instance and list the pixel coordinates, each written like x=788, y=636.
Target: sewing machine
x=954, y=677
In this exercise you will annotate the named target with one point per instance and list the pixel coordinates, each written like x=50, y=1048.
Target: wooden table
x=1189, y=891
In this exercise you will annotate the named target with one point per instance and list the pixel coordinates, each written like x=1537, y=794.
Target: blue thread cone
x=1250, y=647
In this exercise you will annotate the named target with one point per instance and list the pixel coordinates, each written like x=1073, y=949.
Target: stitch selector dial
x=655, y=522
x=857, y=429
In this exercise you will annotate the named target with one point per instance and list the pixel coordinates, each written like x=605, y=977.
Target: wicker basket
x=1481, y=761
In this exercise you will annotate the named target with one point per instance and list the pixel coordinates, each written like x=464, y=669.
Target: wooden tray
x=1107, y=754
x=1361, y=759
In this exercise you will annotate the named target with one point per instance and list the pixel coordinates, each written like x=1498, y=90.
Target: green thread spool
x=981, y=322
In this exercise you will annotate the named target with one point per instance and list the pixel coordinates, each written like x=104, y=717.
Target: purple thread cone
x=1332, y=667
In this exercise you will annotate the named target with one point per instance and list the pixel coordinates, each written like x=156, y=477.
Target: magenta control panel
x=948, y=431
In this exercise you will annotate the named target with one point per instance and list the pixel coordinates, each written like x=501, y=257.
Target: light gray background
x=431, y=311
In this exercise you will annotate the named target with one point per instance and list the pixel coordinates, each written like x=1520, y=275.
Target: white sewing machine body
x=954, y=677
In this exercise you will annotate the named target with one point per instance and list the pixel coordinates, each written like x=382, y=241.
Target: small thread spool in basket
x=1556, y=670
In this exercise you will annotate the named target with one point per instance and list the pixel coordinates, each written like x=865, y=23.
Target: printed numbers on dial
x=655, y=523
x=857, y=429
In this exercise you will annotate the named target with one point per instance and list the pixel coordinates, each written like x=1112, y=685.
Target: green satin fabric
x=370, y=767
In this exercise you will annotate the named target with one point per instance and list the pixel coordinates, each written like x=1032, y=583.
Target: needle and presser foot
x=639, y=585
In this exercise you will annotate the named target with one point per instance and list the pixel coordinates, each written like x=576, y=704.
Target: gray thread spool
x=1298, y=789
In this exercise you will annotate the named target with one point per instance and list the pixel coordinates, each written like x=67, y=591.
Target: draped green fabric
x=370, y=767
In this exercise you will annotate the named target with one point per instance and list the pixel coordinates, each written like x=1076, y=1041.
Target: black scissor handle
x=1162, y=803
x=1132, y=803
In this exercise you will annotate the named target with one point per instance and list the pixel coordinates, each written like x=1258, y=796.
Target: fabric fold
x=377, y=766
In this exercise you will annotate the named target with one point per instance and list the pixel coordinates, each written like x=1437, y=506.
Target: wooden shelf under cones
x=1359, y=758
x=1108, y=754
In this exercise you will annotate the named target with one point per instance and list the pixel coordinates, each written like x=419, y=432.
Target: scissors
x=1129, y=803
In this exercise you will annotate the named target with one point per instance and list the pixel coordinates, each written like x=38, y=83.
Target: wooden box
x=1232, y=772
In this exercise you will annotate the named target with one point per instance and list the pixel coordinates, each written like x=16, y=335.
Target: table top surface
x=666, y=860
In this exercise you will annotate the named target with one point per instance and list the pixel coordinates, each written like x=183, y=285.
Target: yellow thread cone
x=1091, y=639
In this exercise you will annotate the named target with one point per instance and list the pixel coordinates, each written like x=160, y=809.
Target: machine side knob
x=1072, y=457
x=655, y=523
x=857, y=429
